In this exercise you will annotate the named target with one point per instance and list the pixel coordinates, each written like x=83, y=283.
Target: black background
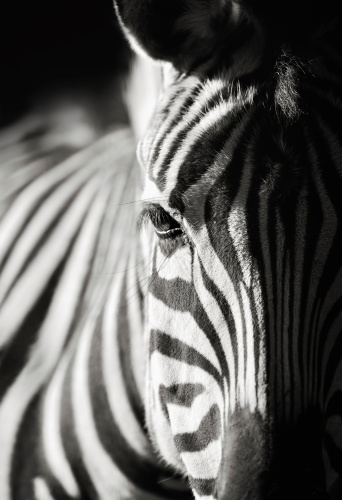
x=56, y=44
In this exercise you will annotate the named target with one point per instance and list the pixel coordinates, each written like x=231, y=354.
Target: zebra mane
x=287, y=94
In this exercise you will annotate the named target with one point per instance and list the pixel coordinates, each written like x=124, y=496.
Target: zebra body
x=72, y=352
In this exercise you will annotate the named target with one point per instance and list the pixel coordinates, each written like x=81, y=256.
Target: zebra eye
x=165, y=226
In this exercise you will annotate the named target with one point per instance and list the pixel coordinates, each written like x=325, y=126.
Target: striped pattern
x=71, y=341
x=244, y=306
x=235, y=382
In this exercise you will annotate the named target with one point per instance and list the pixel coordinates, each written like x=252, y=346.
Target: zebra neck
x=72, y=364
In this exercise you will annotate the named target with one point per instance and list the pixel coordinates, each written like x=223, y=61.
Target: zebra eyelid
x=145, y=216
x=155, y=214
x=170, y=231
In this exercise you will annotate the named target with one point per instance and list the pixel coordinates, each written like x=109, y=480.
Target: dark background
x=58, y=46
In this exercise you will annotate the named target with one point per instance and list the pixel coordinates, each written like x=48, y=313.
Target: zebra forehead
x=184, y=198
x=192, y=138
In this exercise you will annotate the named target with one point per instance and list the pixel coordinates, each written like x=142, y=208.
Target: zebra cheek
x=186, y=422
x=185, y=400
x=185, y=412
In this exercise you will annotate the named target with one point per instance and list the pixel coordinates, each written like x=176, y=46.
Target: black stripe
x=14, y=356
x=209, y=430
x=23, y=470
x=206, y=149
x=166, y=110
x=204, y=487
x=180, y=394
x=179, y=295
x=332, y=182
x=203, y=151
x=124, y=343
x=175, y=293
x=176, y=349
x=29, y=216
x=229, y=319
x=138, y=470
x=69, y=438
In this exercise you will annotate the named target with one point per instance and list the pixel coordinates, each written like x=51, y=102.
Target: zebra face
x=243, y=314
x=244, y=233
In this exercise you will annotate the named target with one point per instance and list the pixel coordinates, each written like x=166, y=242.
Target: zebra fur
x=232, y=383
x=72, y=353
x=242, y=185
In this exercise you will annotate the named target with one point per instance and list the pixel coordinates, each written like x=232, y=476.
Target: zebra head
x=242, y=184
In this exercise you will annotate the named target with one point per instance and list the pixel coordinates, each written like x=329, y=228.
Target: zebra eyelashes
x=165, y=226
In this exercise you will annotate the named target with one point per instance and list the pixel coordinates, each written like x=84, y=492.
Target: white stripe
x=204, y=464
x=136, y=322
x=237, y=227
x=52, y=439
x=262, y=376
x=176, y=266
x=144, y=80
x=250, y=377
x=41, y=489
x=182, y=326
x=168, y=371
x=47, y=350
x=112, y=371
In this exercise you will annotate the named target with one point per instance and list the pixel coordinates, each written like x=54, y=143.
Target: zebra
x=71, y=343
x=242, y=184
x=202, y=358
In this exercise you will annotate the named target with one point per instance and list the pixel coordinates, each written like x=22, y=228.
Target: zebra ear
x=190, y=34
